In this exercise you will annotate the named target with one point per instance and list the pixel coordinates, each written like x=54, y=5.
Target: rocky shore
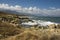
x=11, y=29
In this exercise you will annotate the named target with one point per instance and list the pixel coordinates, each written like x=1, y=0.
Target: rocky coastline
x=11, y=29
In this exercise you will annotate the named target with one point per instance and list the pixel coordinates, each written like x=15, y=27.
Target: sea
x=43, y=21
x=46, y=20
x=52, y=19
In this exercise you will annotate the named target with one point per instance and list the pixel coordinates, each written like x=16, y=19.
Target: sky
x=43, y=7
x=37, y=3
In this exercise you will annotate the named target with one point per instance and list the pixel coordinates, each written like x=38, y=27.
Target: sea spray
x=38, y=22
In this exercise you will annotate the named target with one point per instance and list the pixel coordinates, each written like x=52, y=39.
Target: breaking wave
x=39, y=22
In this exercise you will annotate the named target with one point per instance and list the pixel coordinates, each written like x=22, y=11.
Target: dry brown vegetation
x=33, y=34
x=11, y=32
x=7, y=30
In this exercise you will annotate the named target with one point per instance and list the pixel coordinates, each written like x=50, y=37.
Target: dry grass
x=7, y=30
x=10, y=32
x=40, y=34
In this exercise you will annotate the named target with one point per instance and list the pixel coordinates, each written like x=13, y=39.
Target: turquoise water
x=51, y=19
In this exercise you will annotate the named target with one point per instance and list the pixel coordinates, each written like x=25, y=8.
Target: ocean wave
x=39, y=22
x=43, y=23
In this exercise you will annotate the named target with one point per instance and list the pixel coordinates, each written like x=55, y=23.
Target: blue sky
x=40, y=7
x=37, y=3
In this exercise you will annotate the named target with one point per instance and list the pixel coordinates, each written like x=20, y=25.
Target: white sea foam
x=39, y=22
x=44, y=23
x=29, y=23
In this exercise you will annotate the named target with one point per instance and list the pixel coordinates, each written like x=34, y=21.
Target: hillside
x=11, y=29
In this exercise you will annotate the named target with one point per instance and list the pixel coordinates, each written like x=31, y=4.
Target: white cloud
x=52, y=11
x=52, y=7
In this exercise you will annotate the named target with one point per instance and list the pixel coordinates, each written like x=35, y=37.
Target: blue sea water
x=43, y=21
x=51, y=19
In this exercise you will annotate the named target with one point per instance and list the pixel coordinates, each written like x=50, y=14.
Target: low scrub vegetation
x=11, y=30
x=7, y=30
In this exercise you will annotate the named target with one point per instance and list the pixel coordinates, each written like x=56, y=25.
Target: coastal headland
x=14, y=27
